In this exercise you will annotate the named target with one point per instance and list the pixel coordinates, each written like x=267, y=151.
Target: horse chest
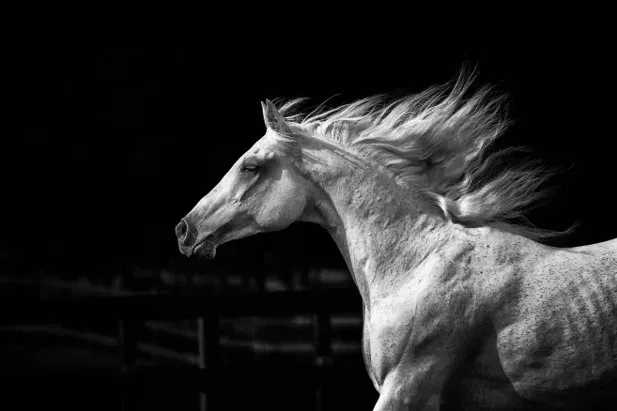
x=389, y=333
x=384, y=343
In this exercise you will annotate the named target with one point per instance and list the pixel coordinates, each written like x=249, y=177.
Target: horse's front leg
x=412, y=360
x=412, y=387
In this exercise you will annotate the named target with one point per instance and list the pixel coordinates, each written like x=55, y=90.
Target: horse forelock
x=436, y=140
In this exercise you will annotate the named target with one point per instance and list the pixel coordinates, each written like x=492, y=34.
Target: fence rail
x=177, y=305
x=131, y=312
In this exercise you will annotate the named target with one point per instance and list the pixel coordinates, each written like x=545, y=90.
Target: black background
x=114, y=145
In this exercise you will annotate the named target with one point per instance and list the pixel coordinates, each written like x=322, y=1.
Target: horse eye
x=250, y=168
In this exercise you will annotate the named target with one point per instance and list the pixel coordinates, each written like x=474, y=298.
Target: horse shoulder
x=433, y=309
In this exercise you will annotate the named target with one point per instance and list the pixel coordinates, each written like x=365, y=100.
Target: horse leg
x=411, y=388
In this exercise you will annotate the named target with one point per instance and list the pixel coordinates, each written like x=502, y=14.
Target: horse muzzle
x=189, y=242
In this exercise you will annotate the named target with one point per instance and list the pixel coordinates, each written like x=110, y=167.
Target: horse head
x=262, y=192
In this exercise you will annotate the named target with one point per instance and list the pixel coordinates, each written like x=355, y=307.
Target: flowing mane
x=435, y=141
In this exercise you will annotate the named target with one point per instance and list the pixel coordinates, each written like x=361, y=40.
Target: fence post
x=127, y=336
x=322, y=340
x=208, y=340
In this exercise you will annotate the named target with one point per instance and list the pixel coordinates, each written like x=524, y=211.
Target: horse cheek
x=282, y=208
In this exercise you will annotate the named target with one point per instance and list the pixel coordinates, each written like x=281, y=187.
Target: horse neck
x=383, y=231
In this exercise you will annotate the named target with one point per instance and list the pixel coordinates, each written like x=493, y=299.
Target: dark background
x=114, y=145
x=105, y=148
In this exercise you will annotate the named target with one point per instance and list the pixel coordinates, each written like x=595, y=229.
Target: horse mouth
x=205, y=249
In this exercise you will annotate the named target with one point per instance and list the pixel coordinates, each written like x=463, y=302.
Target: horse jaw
x=206, y=249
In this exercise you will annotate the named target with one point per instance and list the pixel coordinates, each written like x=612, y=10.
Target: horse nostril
x=182, y=230
x=186, y=233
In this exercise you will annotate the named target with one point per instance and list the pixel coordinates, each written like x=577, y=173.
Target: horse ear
x=273, y=119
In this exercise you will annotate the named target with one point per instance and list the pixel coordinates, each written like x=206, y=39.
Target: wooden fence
x=131, y=311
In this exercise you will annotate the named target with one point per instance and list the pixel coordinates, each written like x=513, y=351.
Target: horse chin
x=206, y=249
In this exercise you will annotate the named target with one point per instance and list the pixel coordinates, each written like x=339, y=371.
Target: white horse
x=458, y=303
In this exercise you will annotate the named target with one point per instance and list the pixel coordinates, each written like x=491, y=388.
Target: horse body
x=551, y=339
x=563, y=335
x=453, y=307
x=551, y=312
